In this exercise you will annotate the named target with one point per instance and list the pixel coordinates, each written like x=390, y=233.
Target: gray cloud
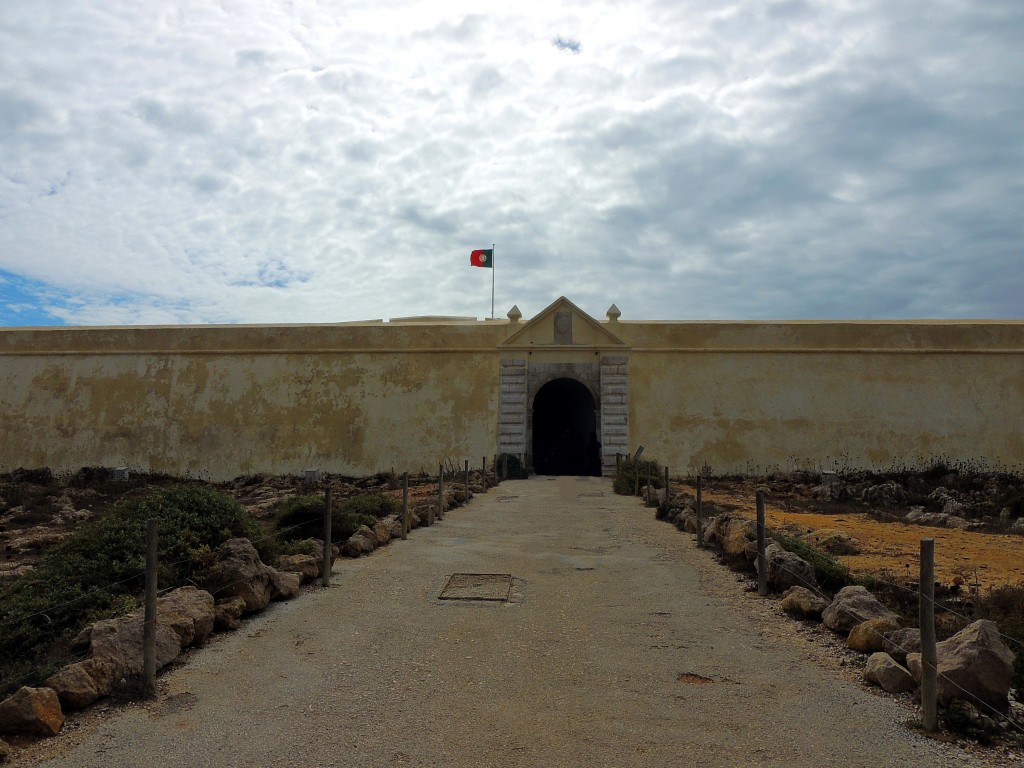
x=752, y=160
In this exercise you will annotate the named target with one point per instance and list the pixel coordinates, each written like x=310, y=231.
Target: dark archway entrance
x=565, y=430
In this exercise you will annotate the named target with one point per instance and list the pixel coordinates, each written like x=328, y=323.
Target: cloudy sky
x=189, y=161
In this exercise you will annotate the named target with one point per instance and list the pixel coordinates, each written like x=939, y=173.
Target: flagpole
x=492, y=281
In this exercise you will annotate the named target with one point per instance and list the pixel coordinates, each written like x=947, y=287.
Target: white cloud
x=273, y=162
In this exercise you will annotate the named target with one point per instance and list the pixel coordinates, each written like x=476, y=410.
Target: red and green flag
x=482, y=258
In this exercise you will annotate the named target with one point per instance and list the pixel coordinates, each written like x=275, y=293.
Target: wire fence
x=267, y=538
x=929, y=603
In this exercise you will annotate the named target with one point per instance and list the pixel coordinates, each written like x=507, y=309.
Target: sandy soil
x=888, y=548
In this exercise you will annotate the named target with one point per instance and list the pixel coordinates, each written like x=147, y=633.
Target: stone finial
x=514, y=315
x=613, y=314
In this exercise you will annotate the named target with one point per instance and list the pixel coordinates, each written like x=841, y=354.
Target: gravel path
x=621, y=645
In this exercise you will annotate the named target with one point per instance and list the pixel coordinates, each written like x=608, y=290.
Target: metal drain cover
x=478, y=586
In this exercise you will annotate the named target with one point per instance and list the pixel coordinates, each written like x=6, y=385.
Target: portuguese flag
x=482, y=258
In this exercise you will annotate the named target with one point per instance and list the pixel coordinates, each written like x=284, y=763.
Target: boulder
x=918, y=516
x=31, y=711
x=974, y=662
x=74, y=686
x=868, y=636
x=1018, y=527
x=734, y=533
x=852, y=606
x=189, y=612
x=5, y=751
x=427, y=514
x=228, y=613
x=888, y=494
x=801, y=601
x=362, y=542
x=786, y=569
x=883, y=671
x=238, y=571
x=286, y=585
x=833, y=541
x=900, y=642
x=306, y=566
x=314, y=548
x=382, y=530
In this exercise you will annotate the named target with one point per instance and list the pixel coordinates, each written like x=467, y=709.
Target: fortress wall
x=217, y=402
x=746, y=397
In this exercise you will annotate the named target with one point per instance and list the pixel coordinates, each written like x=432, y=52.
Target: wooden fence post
x=762, y=561
x=149, y=617
x=325, y=563
x=700, y=512
x=405, y=505
x=668, y=497
x=929, y=673
x=440, y=492
x=483, y=473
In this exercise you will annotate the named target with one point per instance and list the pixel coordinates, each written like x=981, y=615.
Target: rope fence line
x=944, y=607
x=982, y=705
x=447, y=469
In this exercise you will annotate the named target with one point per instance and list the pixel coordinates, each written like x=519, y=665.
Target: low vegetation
x=98, y=572
x=301, y=517
x=629, y=472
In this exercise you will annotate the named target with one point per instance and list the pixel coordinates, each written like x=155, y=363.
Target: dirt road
x=620, y=645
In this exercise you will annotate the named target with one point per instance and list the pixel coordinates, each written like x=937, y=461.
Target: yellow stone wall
x=221, y=401
x=218, y=402
x=750, y=397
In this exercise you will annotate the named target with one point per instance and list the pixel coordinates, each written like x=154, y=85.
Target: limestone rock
x=900, y=642
x=733, y=533
x=228, y=613
x=31, y=711
x=851, y=606
x=118, y=643
x=868, y=636
x=314, y=548
x=362, y=542
x=189, y=612
x=74, y=686
x=888, y=494
x=286, y=585
x=883, y=671
x=382, y=530
x=833, y=541
x=801, y=601
x=5, y=751
x=306, y=566
x=239, y=571
x=427, y=513
x=786, y=569
x=974, y=662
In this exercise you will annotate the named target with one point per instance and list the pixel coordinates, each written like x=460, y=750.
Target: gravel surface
x=621, y=645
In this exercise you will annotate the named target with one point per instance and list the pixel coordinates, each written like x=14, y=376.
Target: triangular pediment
x=562, y=325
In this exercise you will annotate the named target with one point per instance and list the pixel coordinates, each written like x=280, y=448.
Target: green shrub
x=830, y=573
x=626, y=476
x=301, y=517
x=98, y=571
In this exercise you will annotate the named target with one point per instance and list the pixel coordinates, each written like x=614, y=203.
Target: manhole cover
x=478, y=586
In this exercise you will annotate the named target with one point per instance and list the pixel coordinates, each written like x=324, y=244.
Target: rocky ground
x=37, y=510
x=976, y=519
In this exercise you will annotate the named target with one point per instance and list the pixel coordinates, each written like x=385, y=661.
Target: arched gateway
x=564, y=399
x=564, y=419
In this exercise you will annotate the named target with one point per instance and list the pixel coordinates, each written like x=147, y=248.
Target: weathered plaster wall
x=745, y=397
x=218, y=402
